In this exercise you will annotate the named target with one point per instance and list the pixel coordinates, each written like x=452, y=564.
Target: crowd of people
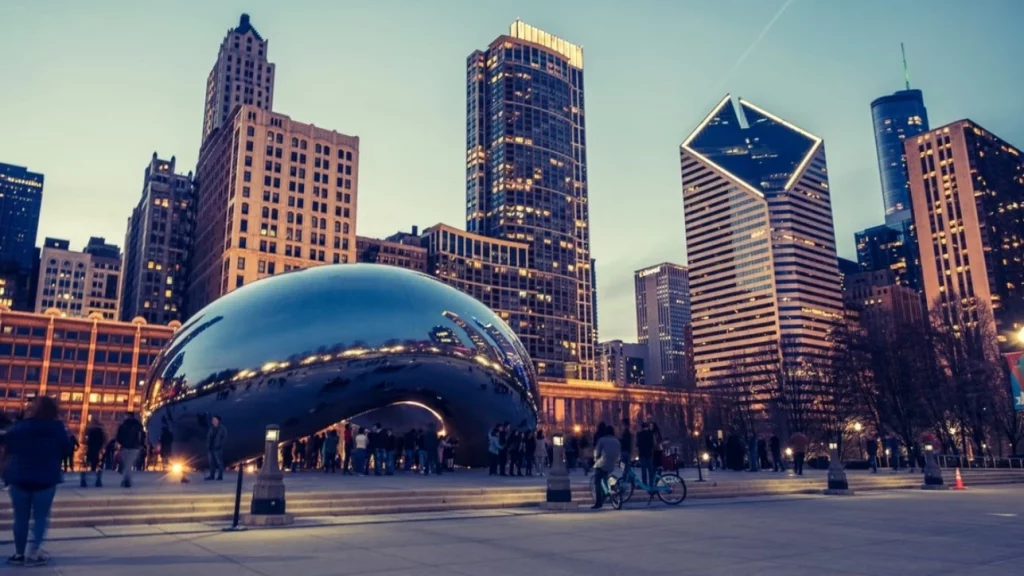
x=379, y=451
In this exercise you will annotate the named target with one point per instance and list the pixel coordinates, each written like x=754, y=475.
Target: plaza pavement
x=909, y=532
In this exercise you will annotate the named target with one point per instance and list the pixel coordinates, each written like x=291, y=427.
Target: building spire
x=906, y=73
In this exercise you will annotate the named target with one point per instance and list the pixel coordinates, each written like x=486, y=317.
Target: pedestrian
x=69, y=453
x=215, y=438
x=376, y=440
x=586, y=454
x=872, y=449
x=776, y=445
x=540, y=452
x=515, y=453
x=626, y=444
x=166, y=446
x=607, y=453
x=311, y=452
x=129, y=436
x=390, y=444
x=409, y=446
x=300, y=455
x=349, y=438
x=503, y=452
x=659, y=446
x=572, y=453
x=330, y=449
x=645, y=450
x=494, y=450
x=95, y=439
x=914, y=456
x=360, y=459
x=762, y=453
x=287, y=455
x=799, y=443
x=430, y=444
x=453, y=449
x=529, y=448
x=108, y=454
x=34, y=448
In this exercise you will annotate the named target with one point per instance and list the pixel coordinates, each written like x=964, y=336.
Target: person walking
x=659, y=446
x=493, y=450
x=69, y=453
x=776, y=446
x=166, y=446
x=108, y=454
x=540, y=452
x=390, y=442
x=349, y=443
x=95, y=439
x=503, y=453
x=529, y=448
x=330, y=449
x=645, y=450
x=360, y=459
x=215, y=438
x=607, y=453
x=287, y=453
x=430, y=443
x=409, y=445
x=872, y=449
x=799, y=443
x=34, y=448
x=762, y=454
x=129, y=436
x=515, y=453
x=626, y=444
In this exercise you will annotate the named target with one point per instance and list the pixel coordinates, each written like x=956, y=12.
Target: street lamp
x=559, y=492
x=576, y=428
x=857, y=427
x=1020, y=336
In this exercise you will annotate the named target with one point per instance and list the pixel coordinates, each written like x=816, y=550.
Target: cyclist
x=606, y=454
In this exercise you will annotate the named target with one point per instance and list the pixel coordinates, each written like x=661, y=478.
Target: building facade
x=526, y=181
x=760, y=243
x=623, y=363
x=156, y=246
x=881, y=303
x=273, y=195
x=91, y=366
x=891, y=247
x=896, y=117
x=240, y=76
x=663, y=322
x=402, y=250
x=21, y=196
x=77, y=284
x=967, y=189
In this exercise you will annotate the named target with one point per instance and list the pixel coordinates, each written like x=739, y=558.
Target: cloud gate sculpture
x=308, y=349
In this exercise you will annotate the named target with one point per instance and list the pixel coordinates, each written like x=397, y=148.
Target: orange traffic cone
x=959, y=481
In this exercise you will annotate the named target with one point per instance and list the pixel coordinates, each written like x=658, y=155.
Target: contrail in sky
x=764, y=32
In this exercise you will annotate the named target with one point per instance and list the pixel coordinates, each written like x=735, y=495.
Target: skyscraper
x=760, y=243
x=272, y=195
x=79, y=283
x=891, y=247
x=241, y=75
x=21, y=195
x=156, y=246
x=896, y=117
x=967, y=189
x=622, y=363
x=526, y=181
x=663, y=322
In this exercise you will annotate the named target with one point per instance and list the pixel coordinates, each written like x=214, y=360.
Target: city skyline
x=94, y=173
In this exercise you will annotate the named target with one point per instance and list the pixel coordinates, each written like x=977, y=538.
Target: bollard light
x=273, y=433
x=833, y=446
x=927, y=447
x=558, y=440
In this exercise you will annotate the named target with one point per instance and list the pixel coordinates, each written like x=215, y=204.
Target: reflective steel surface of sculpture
x=308, y=349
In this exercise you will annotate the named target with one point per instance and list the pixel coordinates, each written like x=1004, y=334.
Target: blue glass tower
x=896, y=117
x=21, y=195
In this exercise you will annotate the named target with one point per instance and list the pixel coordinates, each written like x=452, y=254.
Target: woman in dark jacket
x=35, y=447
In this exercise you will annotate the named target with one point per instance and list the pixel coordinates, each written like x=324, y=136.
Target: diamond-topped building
x=764, y=283
x=526, y=182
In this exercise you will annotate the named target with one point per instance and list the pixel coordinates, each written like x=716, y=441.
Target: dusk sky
x=91, y=89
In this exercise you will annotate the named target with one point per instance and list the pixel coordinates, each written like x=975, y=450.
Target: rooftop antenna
x=906, y=73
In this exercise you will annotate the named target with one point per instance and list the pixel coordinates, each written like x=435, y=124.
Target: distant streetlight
x=789, y=452
x=1020, y=335
x=577, y=428
x=857, y=427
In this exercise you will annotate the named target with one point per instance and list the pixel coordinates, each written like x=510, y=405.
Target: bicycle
x=669, y=487
x=612, y=495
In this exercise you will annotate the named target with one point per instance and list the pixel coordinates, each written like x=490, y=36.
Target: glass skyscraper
x=896, y=117
x=526, y=181
x=21, y=195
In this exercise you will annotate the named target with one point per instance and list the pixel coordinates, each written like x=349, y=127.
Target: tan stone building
x=241, y=75
x=76, y=284
x=967, y=193
x=402, y=250
x=273, y=195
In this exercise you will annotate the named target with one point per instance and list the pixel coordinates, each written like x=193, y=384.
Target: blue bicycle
x=669, y=487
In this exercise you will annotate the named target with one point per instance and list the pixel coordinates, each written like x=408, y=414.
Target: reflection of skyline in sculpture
x=400, y=337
